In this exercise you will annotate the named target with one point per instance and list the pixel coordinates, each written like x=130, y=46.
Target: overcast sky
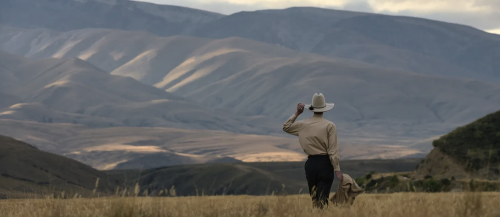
x=482, y=14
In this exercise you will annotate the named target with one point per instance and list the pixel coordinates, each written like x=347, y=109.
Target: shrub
x=496, y=171
x=435, y=143
x=360, y=181
x=432, y=186
x=368, y=176
x=371, y=183
x=490, y=187
x=445, y=182
x=393, y=181
x=474, y=164
x=418, y=183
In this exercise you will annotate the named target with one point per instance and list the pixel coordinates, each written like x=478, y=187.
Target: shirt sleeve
x=333, y=149
x=291, y=127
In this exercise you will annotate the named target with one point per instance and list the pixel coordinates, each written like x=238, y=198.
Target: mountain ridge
x=221, y=73
x=129, y=15
x=74, y=91
x=400, y=42
x=407, y=34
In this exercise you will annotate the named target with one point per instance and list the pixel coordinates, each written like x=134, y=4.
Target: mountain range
x=74, y=91
x=72, y=108
x=258, y=79
x=412, y=44
x=407, y=43
x=67, y=15
x=119, y=84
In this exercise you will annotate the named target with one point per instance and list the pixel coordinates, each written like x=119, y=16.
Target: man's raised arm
x=290, y=126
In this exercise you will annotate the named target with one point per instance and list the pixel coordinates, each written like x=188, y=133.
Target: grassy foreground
x=369, y=205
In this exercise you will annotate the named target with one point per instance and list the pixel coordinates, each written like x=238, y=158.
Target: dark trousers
x=319, y=175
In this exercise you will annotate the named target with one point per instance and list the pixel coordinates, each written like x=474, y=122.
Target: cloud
x=494, y=31
x=482, y=14
x=426, y=6
x=358, y=6
x=482, y=21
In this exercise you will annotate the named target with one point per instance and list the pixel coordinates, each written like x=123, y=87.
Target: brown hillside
x=440, y=166
x=26, y=170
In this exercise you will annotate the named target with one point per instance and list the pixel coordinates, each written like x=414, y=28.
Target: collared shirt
x=317, y=136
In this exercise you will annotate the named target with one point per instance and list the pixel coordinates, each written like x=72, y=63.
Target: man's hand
x=339, y=176
x=300, y=109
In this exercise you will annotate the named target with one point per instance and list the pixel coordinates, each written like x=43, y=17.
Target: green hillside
x=468, y=158
x=476, y=144
x=468, y=152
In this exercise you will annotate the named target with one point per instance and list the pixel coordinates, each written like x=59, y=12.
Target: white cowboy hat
x=319, y=104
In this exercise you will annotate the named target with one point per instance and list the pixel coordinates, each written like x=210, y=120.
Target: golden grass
x=369, y=205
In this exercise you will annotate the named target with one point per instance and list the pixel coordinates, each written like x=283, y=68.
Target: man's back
x=317, y=136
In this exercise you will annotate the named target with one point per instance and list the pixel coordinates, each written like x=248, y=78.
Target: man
x=318, y=138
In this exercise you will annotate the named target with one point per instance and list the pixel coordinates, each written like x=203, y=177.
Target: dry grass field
x=372, y=205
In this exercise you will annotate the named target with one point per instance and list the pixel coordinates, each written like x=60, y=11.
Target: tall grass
x=369, y=205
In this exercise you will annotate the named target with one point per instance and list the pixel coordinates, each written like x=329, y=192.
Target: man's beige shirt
x=317, y=136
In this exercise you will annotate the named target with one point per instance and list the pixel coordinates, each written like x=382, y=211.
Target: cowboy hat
x=319, y=104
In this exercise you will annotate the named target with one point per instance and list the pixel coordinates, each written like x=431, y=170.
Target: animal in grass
x=347, y=191
x=318, y=139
